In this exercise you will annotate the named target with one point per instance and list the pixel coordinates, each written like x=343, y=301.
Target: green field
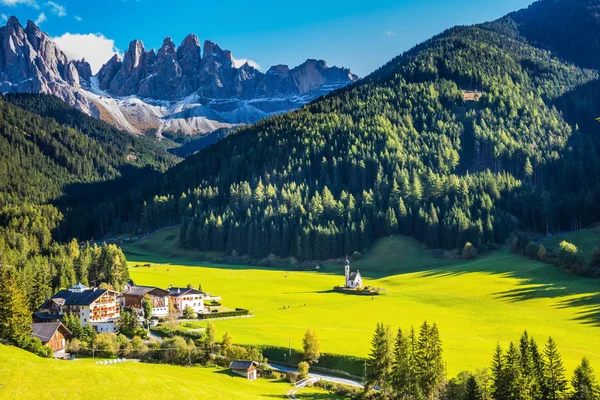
x=26, y=376
x=476, y=304
x=585, y=241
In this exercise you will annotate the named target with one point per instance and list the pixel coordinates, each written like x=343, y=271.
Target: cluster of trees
x=523, y=371
x=44, y=266
x=34, y=266
x=399, y=152
x=409, y=366
x=568, y=256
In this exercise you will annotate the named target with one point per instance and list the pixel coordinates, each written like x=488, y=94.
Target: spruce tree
x=539, y=367
x=473, y=392
x=584, y=382
x=555, y=381
x=512, y=375
x=379, y=363
x=430, y=362
x=402, y=374
x=527, y=364
x=499, y=384
x=15, y=317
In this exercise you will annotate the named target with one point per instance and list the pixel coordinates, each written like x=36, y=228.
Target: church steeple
x=347, y=270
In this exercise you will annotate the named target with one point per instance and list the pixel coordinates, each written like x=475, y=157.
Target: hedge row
x=225, y=314
x=332, y=362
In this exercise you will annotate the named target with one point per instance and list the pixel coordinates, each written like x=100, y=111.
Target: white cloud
x=57, y=9
x=41, y=19
x=4, y=17
x=12, y=3
x=78, y=18
x=390, y=33
x=95, y=48
x=238, y=63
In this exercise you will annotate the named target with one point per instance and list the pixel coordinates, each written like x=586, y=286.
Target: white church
x=353, y=280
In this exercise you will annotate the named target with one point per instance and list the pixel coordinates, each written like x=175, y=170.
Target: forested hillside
x=52, y=145
x=50, y=165
x=404, y=151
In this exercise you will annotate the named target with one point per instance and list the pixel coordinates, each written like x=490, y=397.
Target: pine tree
x=556, y=383
x=528, y=169
x=527, y=364
x=512, y=375
x=539, y=368
x=499, y=384
x=15, y=317
x=402, y=375
x=584, y=382
x=379, y=363
x=430, y=362
x=473, y=392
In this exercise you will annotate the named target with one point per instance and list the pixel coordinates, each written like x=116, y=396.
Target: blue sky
x=361, y=35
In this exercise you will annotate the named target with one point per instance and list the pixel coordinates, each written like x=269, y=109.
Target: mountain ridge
x=175, y=89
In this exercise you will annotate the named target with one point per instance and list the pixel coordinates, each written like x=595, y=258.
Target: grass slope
x=21, y=378
x=476, y=304
x=585, y=240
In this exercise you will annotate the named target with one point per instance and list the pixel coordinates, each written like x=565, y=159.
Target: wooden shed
x=244, y=368
x=52, y=334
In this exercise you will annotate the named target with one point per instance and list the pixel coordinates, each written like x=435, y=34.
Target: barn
x=52, y=334
x=244, y=368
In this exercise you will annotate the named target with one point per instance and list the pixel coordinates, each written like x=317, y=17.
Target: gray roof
x=176, y=292
x=242, y=364
x=354, y=275
x=45, y=330
x=144, y=290
x=84, y=298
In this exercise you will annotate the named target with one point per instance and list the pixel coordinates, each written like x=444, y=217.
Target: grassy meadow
x=26, y=376
x=476, y=304
x=585, y=240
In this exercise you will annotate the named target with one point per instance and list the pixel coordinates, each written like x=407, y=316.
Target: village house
x=52, y=334
x=98, y=308
x=354, y=279
x=244, y=368
x=184, y=297
x=133, y=296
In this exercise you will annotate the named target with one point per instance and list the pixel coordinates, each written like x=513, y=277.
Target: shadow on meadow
x=536, y=280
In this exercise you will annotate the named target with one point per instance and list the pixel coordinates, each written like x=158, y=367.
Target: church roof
x=354, y=276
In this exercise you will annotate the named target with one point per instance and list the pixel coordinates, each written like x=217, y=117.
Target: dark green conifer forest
x=469, y=137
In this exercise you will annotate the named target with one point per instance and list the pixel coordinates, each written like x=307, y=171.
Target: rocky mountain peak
x=14, y=23
x=213, y=51
x=190, y=41
x=168, y=48
x=31, y=62
x=32, y=28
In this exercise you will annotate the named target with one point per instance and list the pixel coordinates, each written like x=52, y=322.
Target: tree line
x=410, y=366
x=400, y=152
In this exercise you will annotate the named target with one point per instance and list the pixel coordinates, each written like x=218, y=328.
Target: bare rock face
x=189, y=58
x=31, y=62
x=175, y=73
x=109, y=71
x=163, y=75
x=186, y=88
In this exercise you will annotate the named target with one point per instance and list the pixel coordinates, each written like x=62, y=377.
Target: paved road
x=324, y=377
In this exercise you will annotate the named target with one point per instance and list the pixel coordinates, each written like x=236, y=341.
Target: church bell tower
x=347, y=270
